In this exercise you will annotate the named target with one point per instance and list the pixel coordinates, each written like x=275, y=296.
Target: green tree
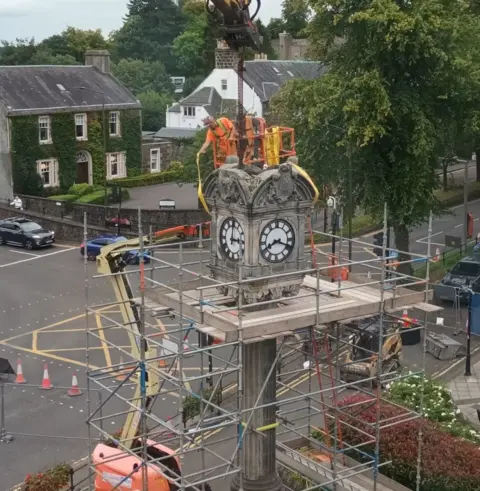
x=154, y=107
x=295, y=15
x=45, y=57
x=149, y=31
x=399, y=66
x=267, y=47
x=143, y=76
x=275, y=27
x=75, y=42
x=19, y=52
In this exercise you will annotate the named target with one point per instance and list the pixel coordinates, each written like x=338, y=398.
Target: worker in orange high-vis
x=221, y=133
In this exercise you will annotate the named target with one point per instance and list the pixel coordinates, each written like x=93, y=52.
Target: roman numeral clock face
x=232, y=239
x=277, y=241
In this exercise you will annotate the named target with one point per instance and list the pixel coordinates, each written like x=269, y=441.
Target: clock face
x=232, y=239
x=276, y=241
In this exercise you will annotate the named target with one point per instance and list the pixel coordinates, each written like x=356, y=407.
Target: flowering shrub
x=438, y=405
x=50, y=480
x=448, y=463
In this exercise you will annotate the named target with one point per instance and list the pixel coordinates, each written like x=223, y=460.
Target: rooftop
x=39, y=89
x=267, y=76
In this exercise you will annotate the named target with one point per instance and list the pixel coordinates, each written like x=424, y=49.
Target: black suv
x=24, y=232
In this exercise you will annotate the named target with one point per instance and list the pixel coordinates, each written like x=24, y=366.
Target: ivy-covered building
x=64, y=125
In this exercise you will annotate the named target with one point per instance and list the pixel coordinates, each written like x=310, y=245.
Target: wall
x=6, y=178
x=191, y=122
x=166, y=149
x=287, y=48
x=65, y=230
x=158, y=219
x=251, y=101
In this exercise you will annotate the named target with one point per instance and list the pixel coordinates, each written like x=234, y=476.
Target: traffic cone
x=122, y=371
x=20, y=379
x=46, y=384
x=406, y=318
x=74, y=390
x=436, y=258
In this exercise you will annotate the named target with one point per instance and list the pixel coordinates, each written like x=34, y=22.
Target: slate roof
x=176, y=133
x=267, y=76
x=175, y=108
x=40, y=89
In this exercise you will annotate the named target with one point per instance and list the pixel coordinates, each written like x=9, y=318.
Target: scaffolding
x=200, y=335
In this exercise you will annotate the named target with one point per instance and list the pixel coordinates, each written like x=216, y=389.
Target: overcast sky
x=41, y=19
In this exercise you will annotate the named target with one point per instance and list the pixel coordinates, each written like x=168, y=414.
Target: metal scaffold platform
x=257, y=386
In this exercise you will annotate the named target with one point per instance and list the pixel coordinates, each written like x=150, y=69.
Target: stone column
x=258, y=452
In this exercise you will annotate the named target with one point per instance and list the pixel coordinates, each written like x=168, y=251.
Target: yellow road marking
x=78, y=349
x=366, y=249
x=292, y=385
x=34, y=340
x=103, y=340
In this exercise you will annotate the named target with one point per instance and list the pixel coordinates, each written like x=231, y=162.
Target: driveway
x=147, y=197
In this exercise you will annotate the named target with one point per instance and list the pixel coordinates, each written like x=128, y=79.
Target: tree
x=149, y=31
x=143, y=76
x=154, y=107
x=267, y=47
x=390, y=80
x=75, y=43
x=295, y=15
x=18, y=53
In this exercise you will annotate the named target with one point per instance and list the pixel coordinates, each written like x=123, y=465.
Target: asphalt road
x=43, y=321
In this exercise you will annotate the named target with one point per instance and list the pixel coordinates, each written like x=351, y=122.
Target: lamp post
x=104, y=131
x=468, y=367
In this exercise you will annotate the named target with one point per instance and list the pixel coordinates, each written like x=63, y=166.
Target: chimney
x=260, y=56
x=225, y=57
x=285, y=45
x=99, y=58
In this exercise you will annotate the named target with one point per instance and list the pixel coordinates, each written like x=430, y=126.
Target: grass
x=447, y=261
x=365, y=224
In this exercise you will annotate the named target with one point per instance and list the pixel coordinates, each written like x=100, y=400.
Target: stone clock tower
x=258, y=221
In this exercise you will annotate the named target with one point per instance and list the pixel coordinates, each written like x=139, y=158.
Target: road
x=43, y=321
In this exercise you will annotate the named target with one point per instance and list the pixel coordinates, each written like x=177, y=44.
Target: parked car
x=21, y=231
x=95, y=245
x=466, y=273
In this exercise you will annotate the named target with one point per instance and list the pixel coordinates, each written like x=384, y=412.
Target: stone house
x=217, y=94
x=61, y=125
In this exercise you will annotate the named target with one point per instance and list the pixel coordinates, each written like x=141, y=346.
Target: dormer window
x=189, y=111
x=44, y=130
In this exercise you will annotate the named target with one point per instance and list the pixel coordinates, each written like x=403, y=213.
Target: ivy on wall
x=26, y=149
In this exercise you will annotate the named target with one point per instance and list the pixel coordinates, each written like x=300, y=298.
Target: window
x=116, y=165
x=44, y=130
x=189, y=111
x=115, y=123
x=48, y=170
x=81, y=126
x=155, y=160
x=178, y=83
x=224, y=84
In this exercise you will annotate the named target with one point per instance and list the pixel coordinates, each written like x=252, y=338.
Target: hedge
x=64, y=197
x=149, y=179
x=449, y=463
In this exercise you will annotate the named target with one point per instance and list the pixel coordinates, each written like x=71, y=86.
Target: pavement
x=43, y=320
x=147, y=197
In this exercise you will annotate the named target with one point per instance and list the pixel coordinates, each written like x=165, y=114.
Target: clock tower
x=258, y=221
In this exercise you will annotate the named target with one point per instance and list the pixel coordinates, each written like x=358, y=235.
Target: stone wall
x=158, y=219
x=165, y=154
x=225, y=57
x=65, y=230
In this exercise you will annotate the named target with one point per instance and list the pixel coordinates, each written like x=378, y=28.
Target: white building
x=217, y=95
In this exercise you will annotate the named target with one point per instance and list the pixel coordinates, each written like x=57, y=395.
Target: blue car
x=95, y=245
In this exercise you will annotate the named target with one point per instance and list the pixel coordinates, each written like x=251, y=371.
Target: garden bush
x=81, y=189
x=169, y=175
x=438, y=405
x=449, y=463
x=64, y=197
x=50, y=480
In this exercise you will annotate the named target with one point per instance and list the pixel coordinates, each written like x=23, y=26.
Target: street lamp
x=349, y=198
x=468, y=367
x=104, y=124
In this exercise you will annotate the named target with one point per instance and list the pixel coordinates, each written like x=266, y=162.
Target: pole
x=465, y=203
x=468, y=368
x=104, y=124
x=334, y=232
x=119, y=196
x=350, y=212
x=4, y=436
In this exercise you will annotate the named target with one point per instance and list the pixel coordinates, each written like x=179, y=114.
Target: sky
x=41, y=19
